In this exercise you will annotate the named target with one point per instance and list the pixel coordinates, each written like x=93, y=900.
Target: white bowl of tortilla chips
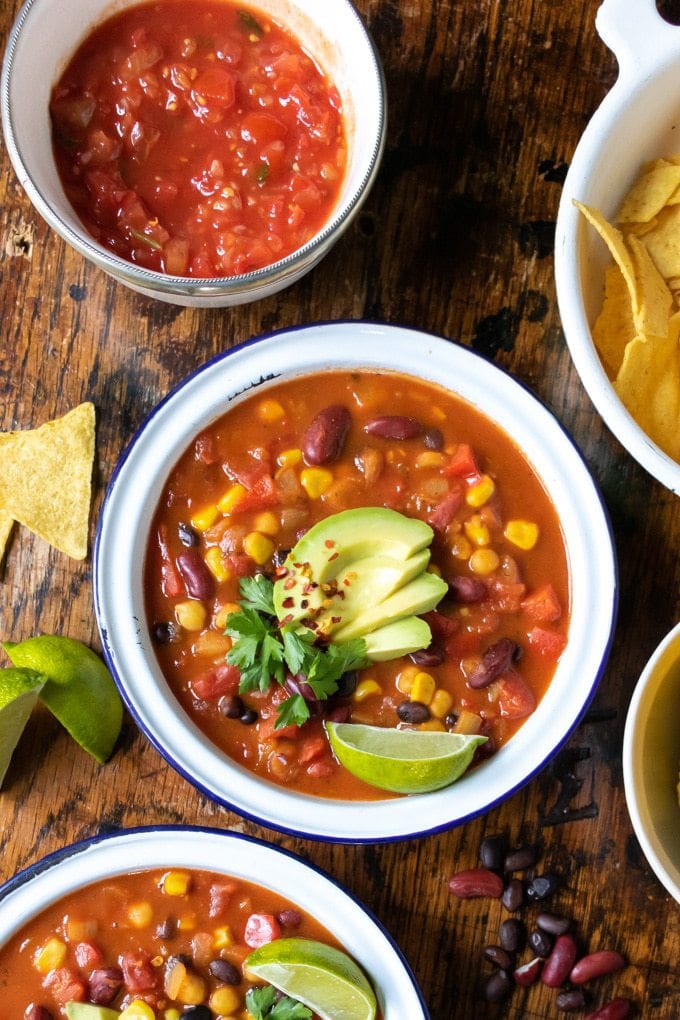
x=617, y=250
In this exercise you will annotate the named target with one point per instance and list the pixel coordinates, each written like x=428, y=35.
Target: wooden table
x=487, y=102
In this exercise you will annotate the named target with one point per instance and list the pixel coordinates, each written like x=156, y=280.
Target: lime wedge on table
x=321, y=977
x=19, y=689
x=402, y=761
x=79, y=689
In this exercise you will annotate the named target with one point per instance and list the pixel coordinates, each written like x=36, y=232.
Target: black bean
x=492, y=852
x=498, y=987
x=495, y=660
x=467, y=590
x=541, y=943
x=279, y=557
x=499, y=957
x=513, y=896
x=450, y=720
x=572, y=1001
x=433, y=439
x=165, y=632
x=554, y=924
x=347, y=684
x=225, y=972
x=289, y=918
x=187, y=535
x=542, y=886
x=512, y=934
x=432, y=656
x=413, y=712
x=231, y=706
x=248, y=717
x=197, y=1013
x=167, y=929
x=521, y=858
x=37, y=1013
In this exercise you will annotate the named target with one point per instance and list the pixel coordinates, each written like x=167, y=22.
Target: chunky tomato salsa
x=154, y=944
x=198, y=139
x=262, y=481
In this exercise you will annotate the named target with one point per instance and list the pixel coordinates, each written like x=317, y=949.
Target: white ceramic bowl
x=651, y=760
x=123, y=533
x=637, y=121
x=45, y=36
x=231, y=854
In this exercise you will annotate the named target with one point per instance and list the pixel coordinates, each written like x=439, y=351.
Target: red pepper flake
x=289, y=583
x=288, y=618
x=333, y=557
x=329, y=543
x=336, y=619
x=289, y=602
x=281, y=571
x=303, y=604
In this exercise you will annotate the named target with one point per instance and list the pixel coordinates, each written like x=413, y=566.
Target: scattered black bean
x=413, y=712
x=492, y=852
x=225, y=972
x=512, y=934
x=572, y=1001
x=248, y=717
x=187, y=535
x=500, y=957
x=541, y=943
x=542, y=886
x=498, y=987
x=279, y=557
x=432, y=656
x=521, y=858
x=197, y=1013
x=554, y=924
x=167, y=929
x=513, y=895
x=347, y=684
x=451, y=720
x=231, y=706
x=164, y=632
x=433, y=439
x=495, y=660
x=289, y=918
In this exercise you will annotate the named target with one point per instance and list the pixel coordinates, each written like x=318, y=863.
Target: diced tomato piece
x=216, y=87
x=261, y=129
x=139, y=973
x=515, y=698
x=172, y=582
x=463, y=463
x=261, y=496
x=321, y=769
x=223, y=679
x=465, y=643
x=247, y=470
x=441, y=625
x=548, y=643
x=543, y=604
x=240, y=564
x=506, y=596
x=312, y=748
x=267, y=731
x=443, y=514
x=220, y=897
x=88, y=955
x=205, y=449
x=261, y=929
x=65, y=985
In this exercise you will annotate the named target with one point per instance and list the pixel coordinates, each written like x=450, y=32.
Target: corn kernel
x=477, y=531
x=211, y=644
x=315, y=481
x=258, y=547
x=423, y=688
x=140, y=914
x=461, y=548
x=406, y=678
x=175, y=883
x=430, y=458
x=187, y=922
x=231, y=498
x=222, y=937
x=138, y=1010
x=484, y=561
x=216, y=565
x=441, y=702
x=205, y=518
x=267, y=523
x=432, y=724
x=523, y=534
x=481, y=492
x=467, y=722
x=270, y=410
x=224, y=1000
x=289, y=458
x=223, y=613
x=432, y=568
x=171, y=1014
x=365, y=689
x=51, y=955
x=192, y=990
x=191, y=615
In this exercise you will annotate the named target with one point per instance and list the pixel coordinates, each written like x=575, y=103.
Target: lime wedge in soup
x=19, y=689
x=402, y=761
x=321, y=977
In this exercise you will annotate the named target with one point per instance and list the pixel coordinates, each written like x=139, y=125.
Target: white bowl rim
x=189, y=285
x=372, y=827
x=638, y=711
x=183, y=836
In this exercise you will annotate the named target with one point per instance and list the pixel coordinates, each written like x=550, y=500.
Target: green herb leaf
x=262, y=173
x=294, y=711
x=298, y=648
x=145, y=239
x=257, y=593
x=263, y=1005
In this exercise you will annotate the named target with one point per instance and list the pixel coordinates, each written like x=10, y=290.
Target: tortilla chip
x=650, y=193
x=6, y=525
x=614, y=327
x=46, y=478
x=648, y=383
x=663, y=242
x=655, y=300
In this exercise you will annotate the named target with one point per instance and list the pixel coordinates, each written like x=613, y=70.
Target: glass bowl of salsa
x=176, y=920
x=207, y=156
x=342, y=563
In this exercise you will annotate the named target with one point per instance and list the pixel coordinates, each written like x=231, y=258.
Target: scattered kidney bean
x=512, y=934
x=225, y=971
x=542, y=886
x=476, y=882
x=499, y=957
x=394, y=426
x=554, y=924
x=289, y=918
x=572, y=1001
x=495, y=660
x=432, y=656
x=325, y=436
x=595, y=965
x=528, y=972
x=298, y=685
x=616, y=1009
x=198, y=581
x=513, y=895
x=433, y=439
x=492, y=852
x=558, y=965
x=467, y=589
x=541, y=943
x=521, y=858
x=231, y=706
x=37, y=1013
x=104, y=984
x=187, y=535
x=413, y=712
x=167, y=929
x=498, y=987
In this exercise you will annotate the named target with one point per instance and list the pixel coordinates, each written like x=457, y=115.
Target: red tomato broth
x=132, y=928
x=198, y=140
x=251, y=446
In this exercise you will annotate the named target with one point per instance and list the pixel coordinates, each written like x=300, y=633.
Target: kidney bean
x=492, y=852
x=521, y=858
x=558, y=965
x=394, y=426
x=528, y=972
x=187, y=535
x=413, y=712
x=289, y=918
x=37, y=1013
x=554, y=924
x=499, y=957
x=231, y=706
x=496, y=660
x=476, y=882
x=498, y=987
x=324, y=437
x=572, y=1001
x=103, y=985
x=298, y=685
x=467, y=590
x=513, y=895
x=541, y=943
x=198, y=581
x=432, y=656
x=542, y=886
x=433, y=439
x=225, y=971
x=605, y=961
x=616, y=1009
x=512, y=934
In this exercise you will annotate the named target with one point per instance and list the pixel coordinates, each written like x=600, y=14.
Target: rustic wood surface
x=487, y=102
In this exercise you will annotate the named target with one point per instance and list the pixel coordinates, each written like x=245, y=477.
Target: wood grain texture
x=487, y=102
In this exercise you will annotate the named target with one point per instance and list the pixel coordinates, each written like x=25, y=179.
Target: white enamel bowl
x=45, y=36
x=123, y=533
x=637, y=121
x=651, y=761
x=227, y=853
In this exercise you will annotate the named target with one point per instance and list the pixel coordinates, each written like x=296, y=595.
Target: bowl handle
x=636, y=34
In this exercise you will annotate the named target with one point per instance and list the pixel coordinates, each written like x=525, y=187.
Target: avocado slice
x=86, y=1011
x=418, y=596
x=398, y=638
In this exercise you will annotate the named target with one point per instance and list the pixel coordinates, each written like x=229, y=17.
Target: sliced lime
x=19, y=689
x=402, y=761
x=79, y=690
x=321, y=977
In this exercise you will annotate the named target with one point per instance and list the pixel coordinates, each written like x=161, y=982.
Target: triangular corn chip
x=6, y=525
x=614, y=327
x=648, y=383
x=650, y=193
x=663, y=242
x=655, y=299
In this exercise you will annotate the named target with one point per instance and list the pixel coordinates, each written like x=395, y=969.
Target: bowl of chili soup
x=205, y=157
x=107, y=920
x=488, y=461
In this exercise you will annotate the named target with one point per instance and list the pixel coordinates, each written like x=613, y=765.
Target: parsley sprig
x=263, y=1005
x=264, y=652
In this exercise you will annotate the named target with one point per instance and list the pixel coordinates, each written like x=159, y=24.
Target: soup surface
x=245, y=492
x=198, y=139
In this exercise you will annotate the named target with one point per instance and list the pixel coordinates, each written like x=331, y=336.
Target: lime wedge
x=79, y=690
x=19, y=689
x=402, y=761
x=321, y=977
